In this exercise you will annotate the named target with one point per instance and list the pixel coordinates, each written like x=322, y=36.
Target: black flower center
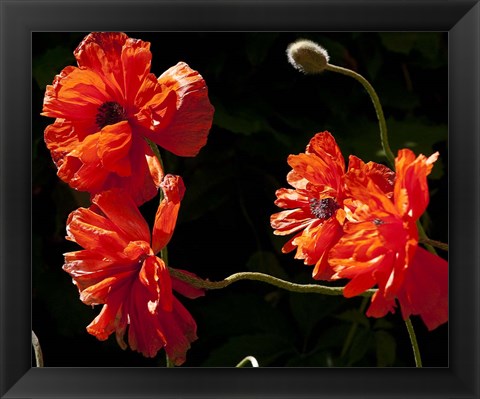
x=324, y=208
x=110, y=113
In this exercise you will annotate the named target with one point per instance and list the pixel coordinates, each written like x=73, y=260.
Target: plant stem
x=376, y=103
x=293, y=287
x=250, y=359
x=413, y=340
x=169, y=363
x=423, y=238
x=434, y=243
x=353, y=328
x=38, y=350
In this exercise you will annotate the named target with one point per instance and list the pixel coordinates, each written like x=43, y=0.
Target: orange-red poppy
x=107, y=106
x=314, y=207
x=379, y=245
x=118, y=268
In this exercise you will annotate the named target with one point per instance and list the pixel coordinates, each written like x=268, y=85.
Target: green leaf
x=354, y=316
x=360, y=346
x=385, y=348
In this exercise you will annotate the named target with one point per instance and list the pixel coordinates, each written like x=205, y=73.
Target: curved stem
x=293, y=287
x=413, y=340
x=38, y=350
x=376, y=103
x=250, y=359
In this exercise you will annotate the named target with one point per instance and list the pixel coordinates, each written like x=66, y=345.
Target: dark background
x=265, y=110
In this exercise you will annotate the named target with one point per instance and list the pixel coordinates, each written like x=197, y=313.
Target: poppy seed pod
x=307, y=56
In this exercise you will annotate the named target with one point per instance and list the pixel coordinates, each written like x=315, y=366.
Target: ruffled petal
x=183, y=126
x=411, y=189
x=113, y=148
x=95, y=232
x=290, y=221
x=325, y=147
x=146, y=175
x=76, y=94
x=166, y=216
x=179, y=329
x=425, y=290
x=121, y=210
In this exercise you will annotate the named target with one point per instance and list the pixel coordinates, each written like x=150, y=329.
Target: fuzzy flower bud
x=307, y=56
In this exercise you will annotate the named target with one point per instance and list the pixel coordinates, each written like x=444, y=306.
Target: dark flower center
x=378, y=222
x=324, y=208
x=110, y=113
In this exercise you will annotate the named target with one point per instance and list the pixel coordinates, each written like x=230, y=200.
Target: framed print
x=312, y=168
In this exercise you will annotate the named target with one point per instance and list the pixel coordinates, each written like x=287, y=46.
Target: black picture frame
x=20, y=18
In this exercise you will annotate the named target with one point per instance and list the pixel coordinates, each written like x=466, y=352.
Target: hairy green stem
x=413, y=340
x=293, y=287
x=248, y=359
x=376, y=103
x=434, y=243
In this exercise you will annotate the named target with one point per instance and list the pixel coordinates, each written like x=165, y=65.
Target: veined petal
x=325, y=147
x=76, y=94
x=185, y=124
x=290, y=221
x=425, y=290
x=95, y=232
x=382, y=176
x=113, y=148
x=179, y=329
x=379, y=306
x=166, y=216
x=146, y=176
x=411, y=189
x=118, y=206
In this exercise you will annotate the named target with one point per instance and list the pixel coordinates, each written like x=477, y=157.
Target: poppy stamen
x=324, y=208
x=110, y=113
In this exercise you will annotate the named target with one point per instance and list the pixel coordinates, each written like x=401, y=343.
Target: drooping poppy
x=118, y=268
x=107, y=106
x=379, y=246
x=314, y=207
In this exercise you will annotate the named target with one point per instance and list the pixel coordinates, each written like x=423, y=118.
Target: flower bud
x=307, y=56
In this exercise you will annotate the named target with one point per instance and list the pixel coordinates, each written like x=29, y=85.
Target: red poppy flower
x=109, y=104
x=314, y=206
x=118, y=268
x=380, y=244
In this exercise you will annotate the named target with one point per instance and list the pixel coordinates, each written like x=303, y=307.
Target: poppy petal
x=425, y=291
x=186, y=122
x=166, y=216
x=121, y=210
